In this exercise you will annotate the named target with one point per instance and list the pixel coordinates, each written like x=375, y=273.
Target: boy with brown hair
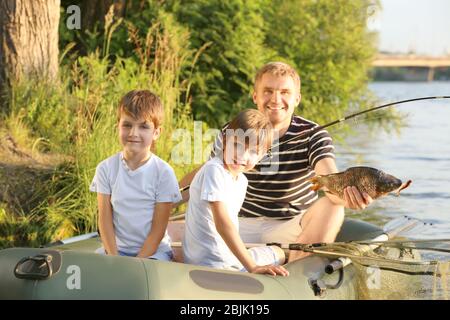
x=135, y=188
x=279, y=205
x=216, y=194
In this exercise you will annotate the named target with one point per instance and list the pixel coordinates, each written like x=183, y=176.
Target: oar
x=400, y=227
x=412, y=244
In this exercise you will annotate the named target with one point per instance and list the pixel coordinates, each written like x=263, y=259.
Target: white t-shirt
x=134, y=194
x=202, y=243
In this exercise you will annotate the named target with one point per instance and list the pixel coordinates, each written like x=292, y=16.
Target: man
x=279, y=205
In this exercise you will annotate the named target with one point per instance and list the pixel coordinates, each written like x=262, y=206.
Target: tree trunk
x=95, y=10
x=28, y=39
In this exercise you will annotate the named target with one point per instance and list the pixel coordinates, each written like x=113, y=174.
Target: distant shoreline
x=409, y=74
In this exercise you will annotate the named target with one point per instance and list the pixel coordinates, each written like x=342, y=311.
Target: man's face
x=277, y=97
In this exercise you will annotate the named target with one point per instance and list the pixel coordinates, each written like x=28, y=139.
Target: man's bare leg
x=321, y=223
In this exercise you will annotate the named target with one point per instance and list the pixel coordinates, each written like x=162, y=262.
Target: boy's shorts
x=267, y=230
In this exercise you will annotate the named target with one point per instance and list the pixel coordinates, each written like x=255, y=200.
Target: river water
x=420, y=152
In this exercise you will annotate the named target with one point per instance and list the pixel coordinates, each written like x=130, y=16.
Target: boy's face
x=240, y=156
x=137, y=136
x=277, y=97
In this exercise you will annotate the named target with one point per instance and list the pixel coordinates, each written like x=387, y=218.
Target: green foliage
x=227, y=36
x=329, y=44
x=201, y=54
x=89, y=135
x=326, y=41
x=232, y=32
x=45, y=108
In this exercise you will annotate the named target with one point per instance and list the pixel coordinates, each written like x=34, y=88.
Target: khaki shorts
x=266, y=230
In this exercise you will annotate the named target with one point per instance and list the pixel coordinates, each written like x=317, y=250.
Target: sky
x=421, y=26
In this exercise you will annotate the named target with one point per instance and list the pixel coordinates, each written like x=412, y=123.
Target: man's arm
x=184, y=182
x=353, y=199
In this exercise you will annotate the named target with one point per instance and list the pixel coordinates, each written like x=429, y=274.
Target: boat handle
x=37, y=263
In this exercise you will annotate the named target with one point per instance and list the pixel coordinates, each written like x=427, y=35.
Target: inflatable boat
x=71, y=269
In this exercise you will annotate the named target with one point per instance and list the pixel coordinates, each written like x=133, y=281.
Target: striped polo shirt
x=278, y=186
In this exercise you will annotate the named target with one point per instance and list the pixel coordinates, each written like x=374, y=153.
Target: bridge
x=412, y=61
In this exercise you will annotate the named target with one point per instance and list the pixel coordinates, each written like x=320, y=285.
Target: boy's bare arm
x=230, y=235
x=105, y=223
x=186, y=181
x=159, y=226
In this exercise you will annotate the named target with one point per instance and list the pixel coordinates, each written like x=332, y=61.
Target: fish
x=376, y=183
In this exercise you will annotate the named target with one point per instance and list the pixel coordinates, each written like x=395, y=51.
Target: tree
x=329, y=44
x=94, y=11
x=28, y=39
x=233, y=35
x=91, y=35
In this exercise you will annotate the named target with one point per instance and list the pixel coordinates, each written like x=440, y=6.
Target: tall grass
x=76, y=116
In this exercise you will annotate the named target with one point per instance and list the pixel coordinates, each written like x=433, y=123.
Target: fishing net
x=399, y=269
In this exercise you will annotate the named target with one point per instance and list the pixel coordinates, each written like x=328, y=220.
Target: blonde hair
x=254, y=122
x=142, y=104
x=278, y=69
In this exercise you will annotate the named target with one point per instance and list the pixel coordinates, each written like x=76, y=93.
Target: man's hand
x=355, y=199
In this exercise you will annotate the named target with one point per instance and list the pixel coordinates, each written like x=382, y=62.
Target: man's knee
x=336, y=213
x=328, y=205
x=324, y=210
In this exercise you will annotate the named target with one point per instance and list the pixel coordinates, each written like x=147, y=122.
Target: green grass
x=73, y=120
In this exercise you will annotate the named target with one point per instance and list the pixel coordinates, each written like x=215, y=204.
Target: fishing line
x=330, y=253
x=311, y=131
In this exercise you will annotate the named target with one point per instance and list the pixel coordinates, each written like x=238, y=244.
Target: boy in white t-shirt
x=216, y=194
x=136, y=189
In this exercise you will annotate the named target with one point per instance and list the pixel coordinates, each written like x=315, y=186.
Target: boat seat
x=176, y=233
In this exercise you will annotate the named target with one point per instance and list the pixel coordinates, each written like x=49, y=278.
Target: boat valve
x=320, y=288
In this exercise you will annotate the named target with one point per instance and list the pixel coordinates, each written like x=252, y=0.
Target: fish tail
x=316, y=185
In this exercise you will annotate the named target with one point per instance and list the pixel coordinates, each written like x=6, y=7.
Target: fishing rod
x=406, y=225
x=321, y=127
x=410, y=244
x=321, y=249
x=318, y=128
